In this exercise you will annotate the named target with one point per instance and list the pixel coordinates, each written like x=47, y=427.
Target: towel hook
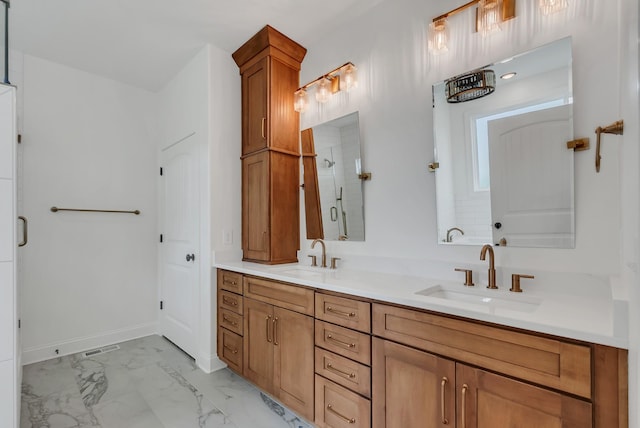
x=615, y=128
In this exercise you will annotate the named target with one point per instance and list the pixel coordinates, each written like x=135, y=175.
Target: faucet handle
x=468, y=276
x=334, y=262
x=314, y=260
x=515, y=282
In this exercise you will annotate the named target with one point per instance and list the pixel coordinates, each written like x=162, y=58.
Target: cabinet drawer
x=343, y=371
x=230, y=320
x=230, y=349
x=343, y=311
x=560, y=365
x=230, y=301
x=286, y=296
x=230, y=281
x=345, y=342
x=337, y=407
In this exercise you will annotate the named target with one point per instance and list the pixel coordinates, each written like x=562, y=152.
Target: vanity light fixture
x=438, y=36
x=470, y=86
x=343, y=78
x=552, y=6
x=489, y=15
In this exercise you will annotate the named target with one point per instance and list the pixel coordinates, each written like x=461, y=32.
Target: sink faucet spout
x=492, y=267
x=324, y=251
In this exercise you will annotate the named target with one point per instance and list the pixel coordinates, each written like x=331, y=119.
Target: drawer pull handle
x=333, y=369
x=262, y=133
x=348, y=345
x=235, y=351
x=443, y=406
x=229, y=321
x=229, y=282
x=228, y=301
x=268, y=319
x=275, y=331
x=344, y=418
x=465, y=387
x=338, y=312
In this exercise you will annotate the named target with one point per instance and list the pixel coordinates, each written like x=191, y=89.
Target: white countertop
x=574, y=311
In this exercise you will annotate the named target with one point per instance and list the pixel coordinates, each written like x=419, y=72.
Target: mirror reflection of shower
x=336, y=145
x=337, y=211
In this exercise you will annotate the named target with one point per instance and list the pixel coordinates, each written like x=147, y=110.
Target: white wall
x=224, y=157
x=203, y=98
x=87, y=278
x=388, y=45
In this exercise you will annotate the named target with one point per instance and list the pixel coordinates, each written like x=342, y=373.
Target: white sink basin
x=482, y=297
x=301, y=272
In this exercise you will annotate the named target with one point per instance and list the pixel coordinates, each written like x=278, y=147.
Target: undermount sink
x=482, y=297
x=301, y=272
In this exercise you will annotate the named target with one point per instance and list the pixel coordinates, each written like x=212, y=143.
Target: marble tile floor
x=147, y=383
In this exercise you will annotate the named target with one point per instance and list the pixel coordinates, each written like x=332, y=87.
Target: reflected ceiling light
x=507, y=76
x=470, y=86
x=489, y=15
x=343, y=78
x=552, y=6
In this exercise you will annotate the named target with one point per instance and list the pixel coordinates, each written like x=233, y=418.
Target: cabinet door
x=258, y=343
x=488, y=400
x=255, y=87
x=293, y=358
x=255, y=207
x=411, y=388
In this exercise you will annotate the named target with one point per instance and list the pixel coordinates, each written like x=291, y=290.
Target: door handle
x=25, y=231
x=191, y=257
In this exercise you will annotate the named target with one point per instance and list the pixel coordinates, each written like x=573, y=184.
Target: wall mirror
x=332, y=187
x=503, y=172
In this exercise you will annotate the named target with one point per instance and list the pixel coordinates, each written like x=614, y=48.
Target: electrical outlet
x=227, y=237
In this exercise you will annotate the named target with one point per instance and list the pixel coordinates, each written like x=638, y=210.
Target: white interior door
x=180, y=258
x=532, y=178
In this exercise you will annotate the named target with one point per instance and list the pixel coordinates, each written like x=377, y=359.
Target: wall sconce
x=343, y=78
x=489, y=15
x=552, y=6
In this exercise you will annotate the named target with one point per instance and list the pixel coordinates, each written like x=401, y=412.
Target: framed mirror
x=504, y=175
x=332, y=188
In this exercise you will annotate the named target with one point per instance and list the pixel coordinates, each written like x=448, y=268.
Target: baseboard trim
x=210, y=363
x=72, y=346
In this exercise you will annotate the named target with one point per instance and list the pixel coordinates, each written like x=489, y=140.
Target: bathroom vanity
x=348, y=348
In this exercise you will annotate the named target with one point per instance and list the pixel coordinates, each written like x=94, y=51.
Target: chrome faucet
x=324, y=251
x=492, y=266
x=451, y=230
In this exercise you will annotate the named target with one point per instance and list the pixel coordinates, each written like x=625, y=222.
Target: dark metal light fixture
x=470, y=86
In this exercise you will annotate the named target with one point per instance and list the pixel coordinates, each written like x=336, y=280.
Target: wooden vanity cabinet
x=269, y=65
x=489, y=376
x=343, y=362
x=411, y=388
x=278, y=345
x=230, y=319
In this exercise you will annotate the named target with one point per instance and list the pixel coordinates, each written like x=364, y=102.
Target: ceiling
x=146, y=42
